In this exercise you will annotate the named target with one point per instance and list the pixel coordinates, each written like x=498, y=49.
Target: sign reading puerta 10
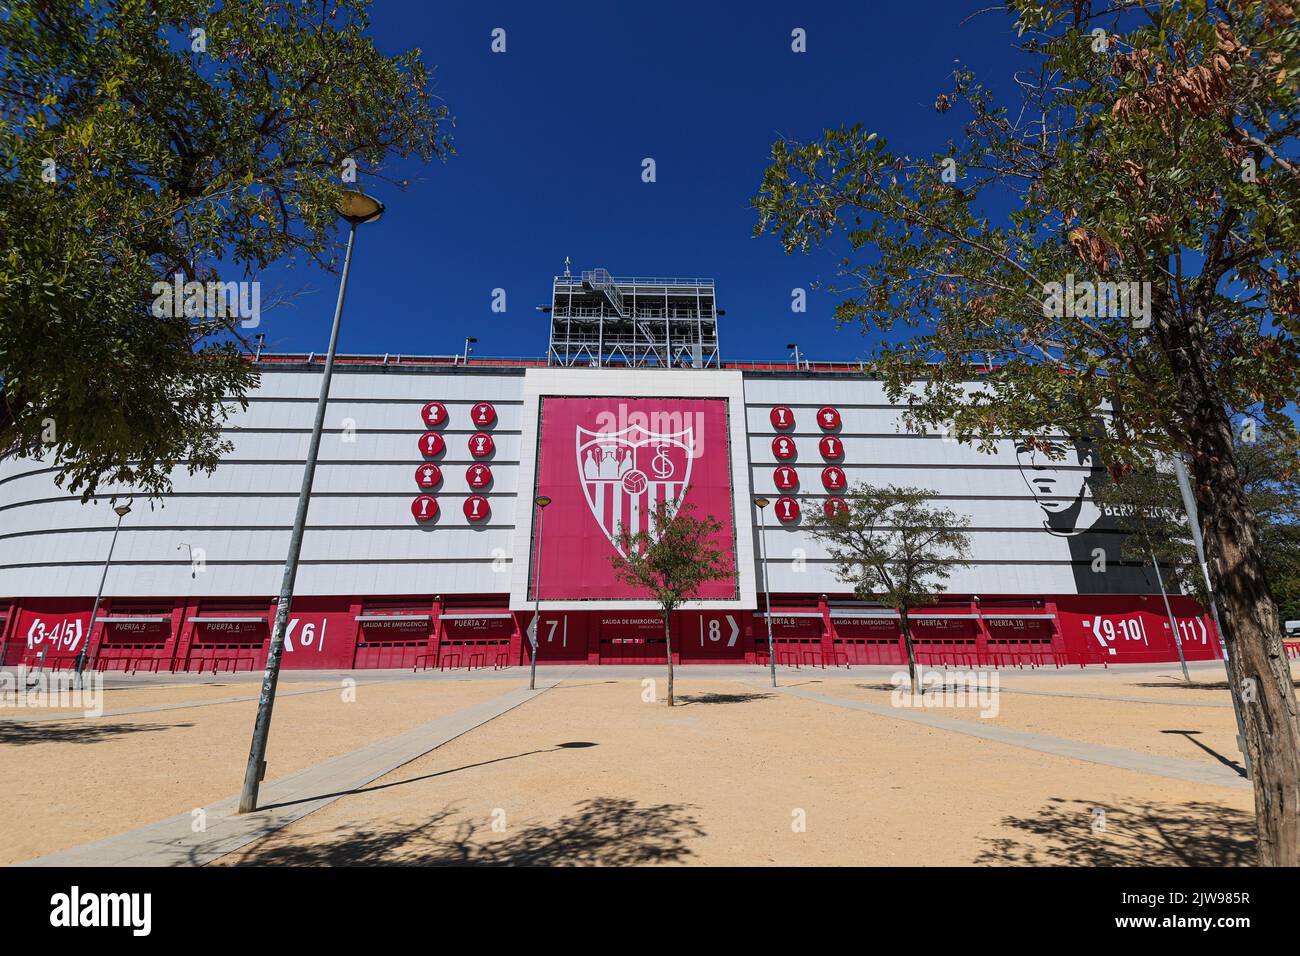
x=606, y=463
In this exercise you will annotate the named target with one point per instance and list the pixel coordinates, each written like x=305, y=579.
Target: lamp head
x=356, y=207
x=761, y=502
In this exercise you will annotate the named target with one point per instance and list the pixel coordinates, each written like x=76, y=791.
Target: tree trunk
x=911, y=651
x=1258, y=668
x=668, y=639
x=1261, y=674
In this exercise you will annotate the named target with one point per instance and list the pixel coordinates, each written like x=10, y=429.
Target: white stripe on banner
x=634, y=520
x=599, y=487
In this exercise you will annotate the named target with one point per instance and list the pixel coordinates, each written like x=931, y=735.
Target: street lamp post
x=1169, y=612
x=541, y=501
x=356, y=208
x=798, y=361
x=762, y=550
x=1194, y=526
x=121, y=511
x=468, y=342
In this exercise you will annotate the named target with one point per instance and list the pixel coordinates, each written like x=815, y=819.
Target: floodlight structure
x=605, y=321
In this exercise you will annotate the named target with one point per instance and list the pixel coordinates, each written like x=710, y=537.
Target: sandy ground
x=1207, y=685
x=589, y=773
x=127, y=698
x=70, y=782
x=1170, y=730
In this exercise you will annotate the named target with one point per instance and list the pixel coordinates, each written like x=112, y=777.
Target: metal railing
x=587, y=276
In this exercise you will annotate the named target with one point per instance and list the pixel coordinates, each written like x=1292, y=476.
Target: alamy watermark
x=209, y=300
x=1098, y=300
x=53, y=690
x=977, y=689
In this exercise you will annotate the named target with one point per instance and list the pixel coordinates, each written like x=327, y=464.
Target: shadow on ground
x=608, y=832
x=1196, y=685
x=720, y=698
x=945, y=687
x=571, y=745
x=1191, y=735
x=58, y=732
x=1143, y=834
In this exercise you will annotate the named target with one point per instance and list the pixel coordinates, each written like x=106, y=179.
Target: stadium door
x=632, y=641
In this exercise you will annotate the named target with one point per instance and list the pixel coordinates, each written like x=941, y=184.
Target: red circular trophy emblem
x=831, y=448
x=478, y=476
x=476, y=508
x=634, y=482
x=786, y=478
x=833, y=478
x=425, y=508
x=480, y=445
x=783, y=447
x=787, y=509
x=428, y=475
x=434, y=414
x=431, y=444
x=828, y=418
x=834, y=507
x=483, y=414
x=782, y=418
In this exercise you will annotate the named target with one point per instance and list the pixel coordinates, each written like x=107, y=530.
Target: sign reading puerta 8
x=606, y=463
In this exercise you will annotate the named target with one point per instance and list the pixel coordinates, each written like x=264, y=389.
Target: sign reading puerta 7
x=606, y=463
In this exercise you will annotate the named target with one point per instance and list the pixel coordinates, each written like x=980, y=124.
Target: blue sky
x=551, y=135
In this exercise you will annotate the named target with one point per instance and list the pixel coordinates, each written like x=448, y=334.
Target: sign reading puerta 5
x=606, y=463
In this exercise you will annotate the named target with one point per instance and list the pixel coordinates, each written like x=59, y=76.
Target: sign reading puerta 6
x=606, y=463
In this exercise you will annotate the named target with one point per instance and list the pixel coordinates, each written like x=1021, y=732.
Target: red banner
x=606, y=463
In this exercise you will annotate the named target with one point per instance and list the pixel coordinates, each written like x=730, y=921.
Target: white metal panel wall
x=361, y=538
x=1012, y=550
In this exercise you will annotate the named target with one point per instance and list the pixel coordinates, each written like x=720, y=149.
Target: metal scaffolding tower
x=601, y=320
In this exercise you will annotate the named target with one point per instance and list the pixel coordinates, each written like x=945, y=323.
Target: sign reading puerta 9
x=606, y=463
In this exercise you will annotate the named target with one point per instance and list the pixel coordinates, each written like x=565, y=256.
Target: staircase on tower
x=606, y=321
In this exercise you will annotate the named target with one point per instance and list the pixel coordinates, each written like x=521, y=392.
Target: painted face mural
x=1062, y=488
x=1059, y=486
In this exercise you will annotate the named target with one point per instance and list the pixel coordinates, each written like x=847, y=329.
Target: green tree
x=891, y=546
x=141, y=140
x=672, y=560
x=1155, y=145
x=1149, y=507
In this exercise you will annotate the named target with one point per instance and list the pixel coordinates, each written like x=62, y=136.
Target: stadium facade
x=422, y=546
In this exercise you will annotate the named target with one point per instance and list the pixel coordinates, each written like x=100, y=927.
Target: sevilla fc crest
x=625, y=474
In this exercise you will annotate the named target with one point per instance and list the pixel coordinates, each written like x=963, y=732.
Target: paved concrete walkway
x=1175, y=768
x=173, y=842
